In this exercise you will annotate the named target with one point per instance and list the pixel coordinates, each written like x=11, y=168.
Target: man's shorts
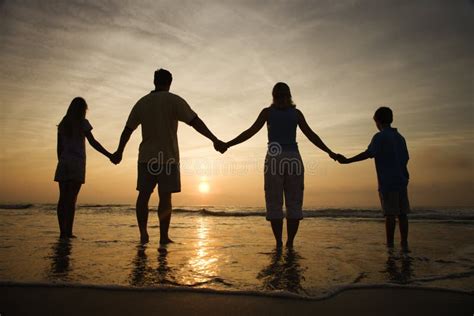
x=166, y=176
x=395, y=203
x=70, y=170
x=284, y=176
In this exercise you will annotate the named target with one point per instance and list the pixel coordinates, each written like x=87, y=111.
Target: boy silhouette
x=390, y=152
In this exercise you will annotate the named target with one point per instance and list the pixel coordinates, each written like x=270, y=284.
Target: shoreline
x=199, y=290
x=58, y=299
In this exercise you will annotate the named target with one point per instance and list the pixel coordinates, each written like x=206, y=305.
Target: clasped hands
x=338, y=157
x=220, y=146
x=116, y=157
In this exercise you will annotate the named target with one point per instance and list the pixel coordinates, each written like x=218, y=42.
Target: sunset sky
x=342, y=59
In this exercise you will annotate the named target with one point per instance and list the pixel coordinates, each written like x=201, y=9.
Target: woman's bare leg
x=277, y=228
x=292, y=228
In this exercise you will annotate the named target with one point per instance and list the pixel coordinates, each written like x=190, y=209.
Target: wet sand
x=52, y=300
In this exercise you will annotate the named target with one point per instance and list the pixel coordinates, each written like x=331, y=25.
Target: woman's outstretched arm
x=312, y=136
x=96, y=145
x=247, y=134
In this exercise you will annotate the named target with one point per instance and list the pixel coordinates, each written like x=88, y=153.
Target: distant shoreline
x=455, y=215
x=13, y=205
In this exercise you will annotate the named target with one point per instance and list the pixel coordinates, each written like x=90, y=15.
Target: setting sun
x=203, y=187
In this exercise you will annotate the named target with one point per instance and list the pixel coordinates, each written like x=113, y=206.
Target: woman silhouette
x=284, y=170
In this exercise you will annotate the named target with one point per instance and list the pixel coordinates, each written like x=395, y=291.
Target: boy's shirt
x=390, y=151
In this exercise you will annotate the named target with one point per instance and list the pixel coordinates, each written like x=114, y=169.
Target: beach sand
x=52, y=300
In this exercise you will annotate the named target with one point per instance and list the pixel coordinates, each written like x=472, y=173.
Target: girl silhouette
x=73, y=129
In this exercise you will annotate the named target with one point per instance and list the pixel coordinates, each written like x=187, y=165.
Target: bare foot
x=289, y=244
x=71, y=236
x=166, y=241
x=405, y=248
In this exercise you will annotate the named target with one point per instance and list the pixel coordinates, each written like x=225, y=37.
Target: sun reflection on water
x=205, y=262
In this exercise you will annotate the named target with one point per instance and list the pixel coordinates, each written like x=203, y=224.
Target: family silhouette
x=158, y=114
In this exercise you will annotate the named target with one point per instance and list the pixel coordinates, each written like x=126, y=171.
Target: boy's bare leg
x=403, y=223
x=142, y=215
x=164, y=215
x=292, y=228
x=390, y=229
x=277, y=228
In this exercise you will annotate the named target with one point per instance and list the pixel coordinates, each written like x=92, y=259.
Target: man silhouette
x=158, y=114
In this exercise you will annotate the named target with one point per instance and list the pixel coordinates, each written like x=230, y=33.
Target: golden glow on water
x=227, y=253
x=204, y=263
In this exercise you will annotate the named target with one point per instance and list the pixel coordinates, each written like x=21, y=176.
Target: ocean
x=232, y=250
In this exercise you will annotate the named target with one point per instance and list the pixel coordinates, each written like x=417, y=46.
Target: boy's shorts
x=167, y=177
x=284, y=176
x=71, y=170
x=395, y=203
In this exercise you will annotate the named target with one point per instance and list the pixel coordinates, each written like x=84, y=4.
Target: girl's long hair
x=282, y=96
x=71, y=124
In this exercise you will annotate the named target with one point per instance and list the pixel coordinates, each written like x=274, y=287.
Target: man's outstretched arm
x=202, y=129
x=124, y=138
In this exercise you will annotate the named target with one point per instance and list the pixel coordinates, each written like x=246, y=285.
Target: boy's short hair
x=384, y=115
x=163, y=77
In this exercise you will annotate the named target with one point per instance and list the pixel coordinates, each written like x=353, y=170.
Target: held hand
x=338, y=157
x=342, y=159
x=333, y=156
x=116, y=157
x=220, y=146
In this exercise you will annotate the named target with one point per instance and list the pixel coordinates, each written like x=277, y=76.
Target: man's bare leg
x=142, y=215
x=277, y=228
x=164, y=215
x=390, y=229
